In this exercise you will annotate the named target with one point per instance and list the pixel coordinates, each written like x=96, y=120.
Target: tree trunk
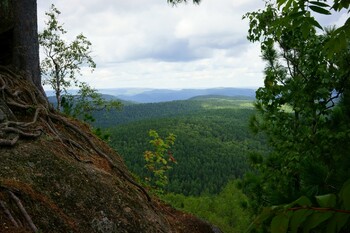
x=19, y=38
x=6, y=31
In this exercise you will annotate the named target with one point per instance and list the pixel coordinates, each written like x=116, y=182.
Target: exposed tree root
x=23, y=211
x=9, y=212
x=13, y=93
x=12, y=204
x=101, y=153
x=25, y=114
x=9, y=142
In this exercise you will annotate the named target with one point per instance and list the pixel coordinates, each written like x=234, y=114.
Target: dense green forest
x=136, y=112
x=212, y=146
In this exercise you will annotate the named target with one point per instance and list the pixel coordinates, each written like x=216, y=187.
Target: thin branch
x=23, y=211
x=330, y=100
x=8, y=213
x=287, y=59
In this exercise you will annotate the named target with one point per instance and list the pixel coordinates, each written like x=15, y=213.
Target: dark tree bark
x=19, y=38
x=6, y=31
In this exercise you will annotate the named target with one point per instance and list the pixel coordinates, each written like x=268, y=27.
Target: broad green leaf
x=302, y=201
x=345, y=195
x=279, y=224
x=298, y=218
x=265, y=214
x=328, y=200
x=321, y=4
x=320, y=10
x=313, y=22
x=280, y=2
x=297, y=14
x=315, y=220
x=337, y=222
x=287, y=6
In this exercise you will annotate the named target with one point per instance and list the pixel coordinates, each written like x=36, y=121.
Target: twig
x=23, y=211
x=8, y=213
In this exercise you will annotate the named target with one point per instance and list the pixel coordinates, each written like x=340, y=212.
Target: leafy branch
x=328, y=213
x=157, y=161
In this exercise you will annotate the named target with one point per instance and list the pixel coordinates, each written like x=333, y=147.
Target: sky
x=151, y=44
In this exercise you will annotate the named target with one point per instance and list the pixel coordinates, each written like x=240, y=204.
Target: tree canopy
x=299, y=12
x=303, y=108
x=62, y=61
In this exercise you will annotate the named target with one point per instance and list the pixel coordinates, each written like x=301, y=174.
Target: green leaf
x=315, y=220
x=344, y=195
x=321, y=4
x=297, y=14
x=264, y=215
x=320, y=10
x=280, y=2
x=328, y=200
x=305, y=30
x=313, y=22
x=279, y=224
x=302, y=201
x=337, y=222
x=298, y=218
x=287, y=6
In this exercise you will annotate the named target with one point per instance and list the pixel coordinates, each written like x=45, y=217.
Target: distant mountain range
x=163, y=95
x=52, y=99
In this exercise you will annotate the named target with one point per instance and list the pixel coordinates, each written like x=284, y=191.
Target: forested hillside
x=164, y=95
x=212, y=146
x=135, y=112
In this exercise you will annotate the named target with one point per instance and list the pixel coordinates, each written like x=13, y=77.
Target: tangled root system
x=26, y=115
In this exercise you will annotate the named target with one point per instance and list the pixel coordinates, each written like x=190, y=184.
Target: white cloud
x=149, y=43
x=217, y=71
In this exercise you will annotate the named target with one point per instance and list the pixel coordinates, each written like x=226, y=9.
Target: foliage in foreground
x=304, y=109
x=324, y=214
x=158, y=161
x=228, y=210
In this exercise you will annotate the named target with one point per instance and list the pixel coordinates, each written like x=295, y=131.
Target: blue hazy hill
x=164, y=95
x=139, y=95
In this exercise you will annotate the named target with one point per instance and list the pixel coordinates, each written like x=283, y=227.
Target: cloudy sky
x=150, y=44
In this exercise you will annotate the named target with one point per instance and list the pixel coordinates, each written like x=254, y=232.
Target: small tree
x=62, y=60
x=86, y=102
x=157, y=161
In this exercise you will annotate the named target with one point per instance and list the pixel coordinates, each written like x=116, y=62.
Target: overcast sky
x=150, y=44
